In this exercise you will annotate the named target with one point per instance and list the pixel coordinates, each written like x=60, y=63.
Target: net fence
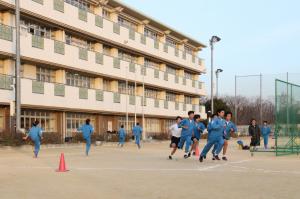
x=287, y=118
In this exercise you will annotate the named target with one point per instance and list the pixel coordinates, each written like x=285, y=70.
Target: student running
x=198, y=131
x=216, y=131
x=35, y=134
x=87, y=130
x=175, y=133
x=187, y=126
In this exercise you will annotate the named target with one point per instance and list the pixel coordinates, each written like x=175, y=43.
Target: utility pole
x=17, y=70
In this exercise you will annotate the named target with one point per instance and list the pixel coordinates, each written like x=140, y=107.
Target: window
x=75, y=41
x=152, y=64
x=47, y=120
x=105, y=13
x=75, y=120
x=106, y=50
x=127, y=23
x=188, y=49
x=151, y=93
x=188, y=99
x=169, y=123
x=122, y=88
x=170, y=97
x=80, y=4
x=188, y=75
x=171, y=42
x=106, y=85
x=36, y=29
x=45, y=74
x=74, y=79
x=150, y=33
x=2, y=119
x=127, y=56
x=153, y=126
x=122, y=121
x=171, y=70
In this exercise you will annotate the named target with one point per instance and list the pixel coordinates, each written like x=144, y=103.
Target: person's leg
x=88, y=145
x=266, y=141
x=181, y=142
x=137, y=141
x=214, y=151
x=37, y=145
x=188, y=144
x=225, y=146
x=207, y=147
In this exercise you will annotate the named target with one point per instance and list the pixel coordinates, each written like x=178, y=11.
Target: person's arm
x=183, y=125
x=250, y=131
x=234, y=128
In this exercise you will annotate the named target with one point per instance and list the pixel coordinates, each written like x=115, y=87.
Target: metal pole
x=217, y=84
x=235, y=100
x=143, y=115
x=260, y=99
x=135, y=98
x=127, y=95
x=212, y=76
x=17, y=69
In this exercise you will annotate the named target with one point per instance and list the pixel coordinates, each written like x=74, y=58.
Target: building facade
x=96, y=59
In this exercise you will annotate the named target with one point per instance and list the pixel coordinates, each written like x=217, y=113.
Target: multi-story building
x=100, y=60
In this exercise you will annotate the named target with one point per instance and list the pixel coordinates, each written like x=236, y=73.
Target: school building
x=97, y=59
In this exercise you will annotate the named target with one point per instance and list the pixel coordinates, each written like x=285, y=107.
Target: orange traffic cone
x=62, y=164
x=197, y=153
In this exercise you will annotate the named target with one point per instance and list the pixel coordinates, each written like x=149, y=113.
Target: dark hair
x=228, y=113
x=197, y=116
x=266, y=121
x=35, y=123
x=220, y=110
x=252, y=119
x=191, y=112
x=178, y=117
x=137, y=123
x=87, y=121
x=122, y=126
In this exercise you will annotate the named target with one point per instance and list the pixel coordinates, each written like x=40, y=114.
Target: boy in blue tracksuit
x=187, y=126
x=35, y=134
x=230, y=128
x=216, y=131
x=265, y=132
x=198, y=131
x=87, y=130
x=137, y=132
x=122, y=136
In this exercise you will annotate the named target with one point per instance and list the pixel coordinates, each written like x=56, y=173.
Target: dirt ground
x=116, y=173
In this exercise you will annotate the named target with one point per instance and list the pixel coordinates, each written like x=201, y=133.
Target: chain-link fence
x=255, y=96
x=287, y=107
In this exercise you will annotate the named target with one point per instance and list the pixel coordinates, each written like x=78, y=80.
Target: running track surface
x=116, y=173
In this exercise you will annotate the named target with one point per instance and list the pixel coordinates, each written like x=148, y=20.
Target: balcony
x=64, y=97
x=81, y=59
x=96, y=26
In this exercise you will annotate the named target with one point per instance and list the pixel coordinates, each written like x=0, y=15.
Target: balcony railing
x=99, y=21
x=6, y=32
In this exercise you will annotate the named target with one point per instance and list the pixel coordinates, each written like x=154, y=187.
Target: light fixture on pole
x=219, y=70
x=212, y=41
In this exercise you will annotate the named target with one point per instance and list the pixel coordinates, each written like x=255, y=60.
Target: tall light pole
x=219, y=70
x=212, y=41
x=17, y=71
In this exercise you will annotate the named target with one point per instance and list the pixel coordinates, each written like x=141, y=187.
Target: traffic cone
x=62, y=164
x=197, y=153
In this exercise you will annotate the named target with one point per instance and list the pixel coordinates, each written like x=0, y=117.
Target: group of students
x=188, y=131
x=35, y=134
x=185, y=131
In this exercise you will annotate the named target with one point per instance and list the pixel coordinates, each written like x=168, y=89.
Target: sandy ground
x=113, y=173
